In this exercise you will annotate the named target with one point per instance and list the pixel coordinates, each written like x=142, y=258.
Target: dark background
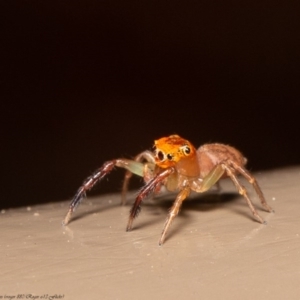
x=88, y=81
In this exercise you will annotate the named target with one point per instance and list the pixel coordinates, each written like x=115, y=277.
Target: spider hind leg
x=230, y=169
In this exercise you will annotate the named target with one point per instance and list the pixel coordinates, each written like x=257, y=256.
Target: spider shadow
x=82, y=214
x=161, y=204
x=198, y=202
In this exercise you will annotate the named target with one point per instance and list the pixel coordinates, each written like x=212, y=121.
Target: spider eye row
x=162, y=156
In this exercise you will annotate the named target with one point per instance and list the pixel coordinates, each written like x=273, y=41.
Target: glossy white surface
x=214, y=250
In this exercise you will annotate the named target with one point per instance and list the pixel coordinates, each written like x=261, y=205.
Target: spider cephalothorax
x=170, y=150
x=176, y=164
x=174, y=151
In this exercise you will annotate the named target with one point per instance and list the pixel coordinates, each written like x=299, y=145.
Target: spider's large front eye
x=161, y=156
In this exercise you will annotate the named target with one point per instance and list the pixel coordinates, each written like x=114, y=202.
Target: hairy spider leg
x=131, y=165
x=241, y=189
x=251, y=179
x=183, y=194
x=150, y=187
x=230, y=168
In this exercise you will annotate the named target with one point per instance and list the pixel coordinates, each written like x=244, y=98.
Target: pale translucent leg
x=210, y=179
x=143, y=156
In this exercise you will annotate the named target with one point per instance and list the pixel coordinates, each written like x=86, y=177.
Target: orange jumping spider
x=177, y=165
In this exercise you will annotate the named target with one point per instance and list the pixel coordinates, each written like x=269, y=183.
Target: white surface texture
x=215, y=249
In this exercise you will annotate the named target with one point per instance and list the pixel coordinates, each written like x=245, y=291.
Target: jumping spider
x=177, y=165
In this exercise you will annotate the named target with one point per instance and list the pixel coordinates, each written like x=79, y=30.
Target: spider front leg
x=148, y=172
x=150, y=187
x=132, y=166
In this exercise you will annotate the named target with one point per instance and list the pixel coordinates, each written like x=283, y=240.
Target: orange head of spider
x=174, y=151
